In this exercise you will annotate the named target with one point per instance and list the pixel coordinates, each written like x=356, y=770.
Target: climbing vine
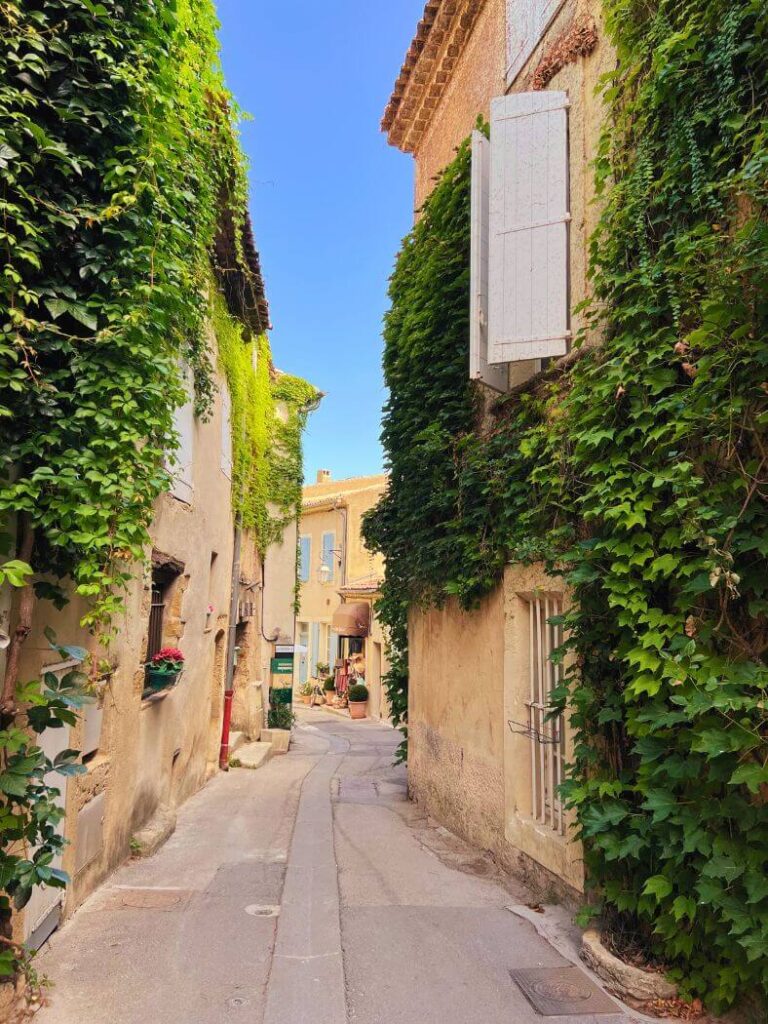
x=117, y=146
x=268, y=416
x=638, y=471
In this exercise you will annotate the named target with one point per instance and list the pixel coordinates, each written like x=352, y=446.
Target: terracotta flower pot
x=357, y=708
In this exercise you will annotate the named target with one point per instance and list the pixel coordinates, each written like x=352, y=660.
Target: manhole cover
x=562, y=991
x=130, y=898
x=154, y=899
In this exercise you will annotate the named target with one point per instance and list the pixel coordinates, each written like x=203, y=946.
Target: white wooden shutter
x=528, y=315
x=226, y=433
x=305, y=556
x=527, y=21
x=184, y=423
x=495, y=377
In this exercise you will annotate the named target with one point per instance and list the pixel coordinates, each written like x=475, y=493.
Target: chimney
x=323, y=476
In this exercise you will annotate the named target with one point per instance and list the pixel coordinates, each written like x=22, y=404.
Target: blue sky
x=330, y=199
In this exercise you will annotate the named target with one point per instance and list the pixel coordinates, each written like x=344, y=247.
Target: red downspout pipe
x=229, y=685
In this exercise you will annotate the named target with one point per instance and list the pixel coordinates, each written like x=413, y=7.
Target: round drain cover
x=561, y=990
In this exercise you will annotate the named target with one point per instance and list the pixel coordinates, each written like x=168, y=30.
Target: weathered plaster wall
x=456, y=717
x=154, y=754
x=469, y=678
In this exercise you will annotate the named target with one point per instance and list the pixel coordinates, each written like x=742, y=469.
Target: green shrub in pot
x=329, y=685
x=358, y=693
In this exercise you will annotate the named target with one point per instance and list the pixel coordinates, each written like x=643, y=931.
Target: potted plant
x=329, y=689
x=305, y=693
x=358, y=698
x=165, y=668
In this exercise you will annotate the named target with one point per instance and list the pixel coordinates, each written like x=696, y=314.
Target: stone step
x=236, y=740
x=253, y=755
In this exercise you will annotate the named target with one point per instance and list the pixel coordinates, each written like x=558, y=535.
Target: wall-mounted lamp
x=324, y=572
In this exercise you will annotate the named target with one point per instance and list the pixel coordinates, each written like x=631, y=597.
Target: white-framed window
x=305, y=557
x=329, y=544
x=527, y=21
x=519, y=279
x=546, y=733
x=182, y=486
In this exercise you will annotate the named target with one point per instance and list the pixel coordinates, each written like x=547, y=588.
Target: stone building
x=484, y=758
x=340, y=581
x=205, y=589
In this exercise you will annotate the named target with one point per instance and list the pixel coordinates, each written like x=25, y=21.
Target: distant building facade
x=339, y=582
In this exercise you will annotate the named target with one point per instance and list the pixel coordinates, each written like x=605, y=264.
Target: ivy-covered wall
x=640, y=472
x=117, y=146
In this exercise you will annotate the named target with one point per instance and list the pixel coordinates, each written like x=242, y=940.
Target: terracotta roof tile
x=440, y=36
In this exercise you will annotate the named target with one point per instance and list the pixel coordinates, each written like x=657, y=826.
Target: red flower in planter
x=169, y=658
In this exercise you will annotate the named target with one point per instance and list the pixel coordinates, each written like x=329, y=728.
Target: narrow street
x=307, y=892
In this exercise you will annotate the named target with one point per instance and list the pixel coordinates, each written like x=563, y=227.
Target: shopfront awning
x=352, y=619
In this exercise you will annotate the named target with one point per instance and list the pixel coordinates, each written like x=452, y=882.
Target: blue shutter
x=314, y=651
x=333, y=649
x=305, y=554
x=329, y=543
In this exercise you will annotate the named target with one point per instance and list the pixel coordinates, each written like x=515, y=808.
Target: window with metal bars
x=546, y=733
x=162, y=578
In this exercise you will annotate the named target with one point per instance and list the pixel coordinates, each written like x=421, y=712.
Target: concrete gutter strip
x=306, y=984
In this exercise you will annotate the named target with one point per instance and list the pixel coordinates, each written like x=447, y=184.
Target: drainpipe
x=342, y=509
x=229, y=685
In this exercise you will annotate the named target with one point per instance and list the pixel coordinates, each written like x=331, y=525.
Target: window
x=302, y=634
x=166, y=571
x=329, y=543
x=519, y=268
x=314, y=650
x=527, y=21
x=305, y=556
x=546, y=734
x=184, y=423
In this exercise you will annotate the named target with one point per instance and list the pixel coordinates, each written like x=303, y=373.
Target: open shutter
x=226, y=433
x=527, y=21
x=479, y=368
x=184, y=424
x=305, y=553
x=528, y=315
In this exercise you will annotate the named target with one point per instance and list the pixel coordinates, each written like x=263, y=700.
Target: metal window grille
x=546, y=734
x=156, y=616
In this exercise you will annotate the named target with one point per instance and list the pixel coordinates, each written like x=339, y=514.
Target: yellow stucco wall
x=355, y=497
x=469, y=757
